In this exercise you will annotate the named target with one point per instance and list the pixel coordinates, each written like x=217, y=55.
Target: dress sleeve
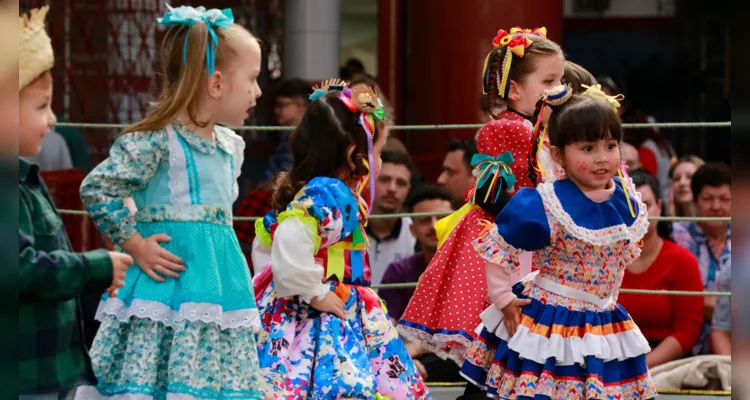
x=295, y=272
x=521, y=226
x=133, y=160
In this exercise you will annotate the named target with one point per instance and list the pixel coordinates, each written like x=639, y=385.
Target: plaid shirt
x=257, y=203
x=52, y=356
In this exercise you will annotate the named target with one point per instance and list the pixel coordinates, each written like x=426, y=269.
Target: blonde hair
x=182, y=77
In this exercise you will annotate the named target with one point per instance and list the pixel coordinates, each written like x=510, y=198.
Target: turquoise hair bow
x=496, y=168
x=214, y=18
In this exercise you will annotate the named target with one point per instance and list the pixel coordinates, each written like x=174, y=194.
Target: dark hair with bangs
x=583, y=119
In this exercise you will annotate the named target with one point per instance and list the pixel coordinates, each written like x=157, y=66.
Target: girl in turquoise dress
x=185, y=323
x=326, y=334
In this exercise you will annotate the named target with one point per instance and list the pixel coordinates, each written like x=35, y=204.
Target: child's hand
x=152, y=258
x=330, y=304
x=512, y=314
x=120, y=264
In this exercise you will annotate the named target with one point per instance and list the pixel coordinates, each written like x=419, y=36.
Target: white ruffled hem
x=90, y=393
x=437, y=343
x=204, y=312
x=566, y=351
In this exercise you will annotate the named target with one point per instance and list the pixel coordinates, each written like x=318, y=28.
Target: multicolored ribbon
x=496, y=168
x=214, y=18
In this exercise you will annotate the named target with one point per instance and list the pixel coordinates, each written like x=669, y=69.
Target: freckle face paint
x=582, y=166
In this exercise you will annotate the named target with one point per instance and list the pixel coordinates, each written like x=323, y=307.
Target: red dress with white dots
x=444, y=312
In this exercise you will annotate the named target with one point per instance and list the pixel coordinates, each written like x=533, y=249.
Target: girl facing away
x=452, y=292
x=326, y=334
x=559, y=333
x=185, y=324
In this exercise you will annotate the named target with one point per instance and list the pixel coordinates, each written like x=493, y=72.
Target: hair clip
x=327, y=86
x=214, y=18
x=597, y=92
x=558, y=95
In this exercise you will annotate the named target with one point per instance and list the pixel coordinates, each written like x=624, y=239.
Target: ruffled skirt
x=561, y=350
x=193, y=337
x=305, y=354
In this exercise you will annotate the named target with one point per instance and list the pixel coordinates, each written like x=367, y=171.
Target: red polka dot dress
x=444, y=311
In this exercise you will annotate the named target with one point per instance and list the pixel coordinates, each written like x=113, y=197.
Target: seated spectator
x=389, y=238
x=630, y=156
x=292, y=99
x=710, y=242
x=680, y=194
x=671, y=324
x=457, y=175
x=721, y=326
x=427, y=198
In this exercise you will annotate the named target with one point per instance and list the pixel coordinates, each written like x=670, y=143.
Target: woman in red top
x=672, y=324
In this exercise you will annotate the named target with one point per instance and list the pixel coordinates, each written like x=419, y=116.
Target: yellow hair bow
x=597, y=92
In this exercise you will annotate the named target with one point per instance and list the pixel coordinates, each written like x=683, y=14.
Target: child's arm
x=133, y=160
x=60, y=275
x=295, y=272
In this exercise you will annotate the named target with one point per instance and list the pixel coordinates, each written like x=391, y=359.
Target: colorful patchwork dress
x=317, y=246
x=452, y=292
x=574, y=340
x=194, y=336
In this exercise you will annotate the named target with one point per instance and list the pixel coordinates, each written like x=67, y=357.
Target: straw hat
x=8, y=47
x=35, y=53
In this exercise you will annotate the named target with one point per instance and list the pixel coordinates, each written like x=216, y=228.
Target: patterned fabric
x=444, y=311
x=256, y=203
x=51, y=357
x=492, y=361
x=326, y=202
x=567, y=345
x=690, y=236
x=723, y=312
x=307, y=354
x=181, y=359
x=281, y=160
x=193, y=336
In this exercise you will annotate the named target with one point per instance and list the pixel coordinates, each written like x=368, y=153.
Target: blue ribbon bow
x=491, y=167
x=214, y=18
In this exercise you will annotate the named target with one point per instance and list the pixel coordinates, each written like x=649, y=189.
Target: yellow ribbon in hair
x=625, y=189
x=360, y=189
x=539, y=148
x=597, y=92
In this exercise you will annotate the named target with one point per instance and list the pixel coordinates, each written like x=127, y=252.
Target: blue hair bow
x=496, y=168
x=214, y=18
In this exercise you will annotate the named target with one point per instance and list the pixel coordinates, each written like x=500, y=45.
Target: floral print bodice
x=575, y=242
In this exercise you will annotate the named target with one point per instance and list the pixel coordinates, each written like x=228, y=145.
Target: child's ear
x=556, y=154
x=214, y=85
x=513, y=93
x=350, y=157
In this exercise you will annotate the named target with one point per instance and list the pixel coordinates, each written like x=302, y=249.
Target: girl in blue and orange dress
x=559, y=333
x=326, y=333
x=452, y=292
